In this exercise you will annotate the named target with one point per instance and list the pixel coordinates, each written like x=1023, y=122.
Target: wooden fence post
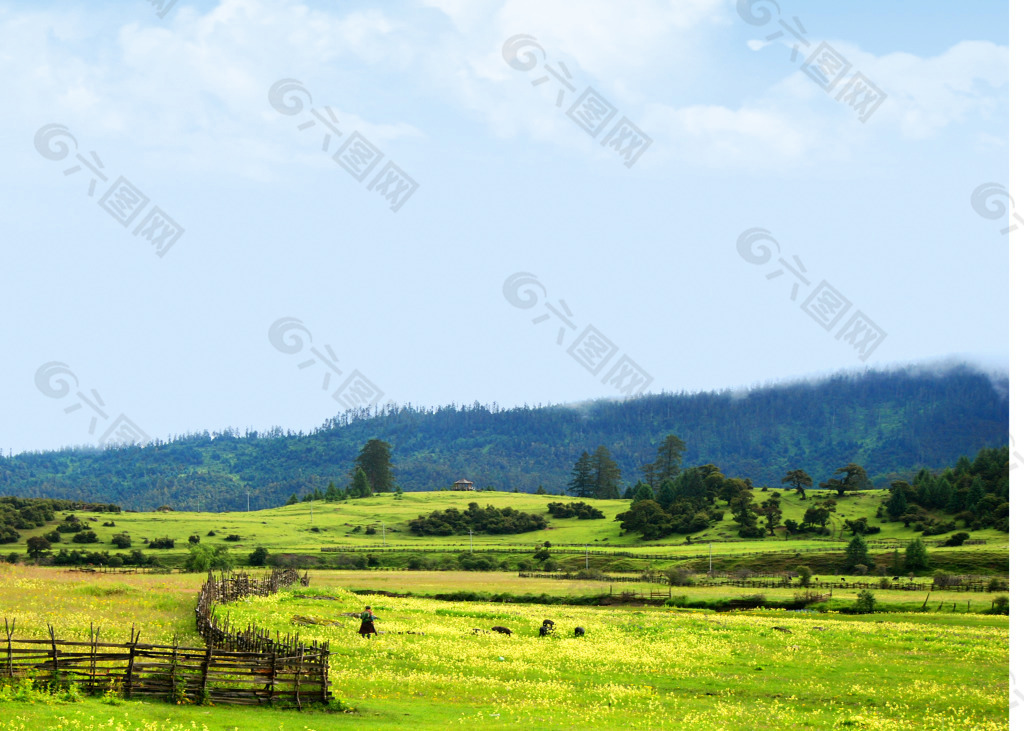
x=10, y=655
x=324, y=659
x=273, y=675
x=298, y=675
x=55, y=679
x=174, y=668
x=131, y=663
x=93, y=639
x=205, y=669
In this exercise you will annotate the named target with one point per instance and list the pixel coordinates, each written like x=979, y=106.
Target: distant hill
x=891, y=422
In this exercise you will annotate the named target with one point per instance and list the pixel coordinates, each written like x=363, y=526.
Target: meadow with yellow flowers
x=439, y=664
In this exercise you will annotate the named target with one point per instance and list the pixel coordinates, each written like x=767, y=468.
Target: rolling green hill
x=307, y=527
x=893, y=423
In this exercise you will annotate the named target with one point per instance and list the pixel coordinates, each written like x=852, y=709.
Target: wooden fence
x=236, y=667
x=603, y=579
x=123, y=570
x=965, y=584
x=830, y=545
x=595, y=548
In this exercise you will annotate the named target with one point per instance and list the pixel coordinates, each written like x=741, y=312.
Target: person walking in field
x=366, y=628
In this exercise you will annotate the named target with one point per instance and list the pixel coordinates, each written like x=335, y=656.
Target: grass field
x=636, y=667
x=291, y=529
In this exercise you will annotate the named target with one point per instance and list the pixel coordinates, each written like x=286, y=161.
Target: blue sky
x=867, y=211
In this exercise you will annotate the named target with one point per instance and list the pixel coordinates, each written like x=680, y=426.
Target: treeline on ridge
x=893, y=423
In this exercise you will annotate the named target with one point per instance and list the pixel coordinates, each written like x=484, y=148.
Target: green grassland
x=636, y=667
x=306, y=527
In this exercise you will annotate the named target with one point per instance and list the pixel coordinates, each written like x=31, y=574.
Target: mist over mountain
x=892, y=422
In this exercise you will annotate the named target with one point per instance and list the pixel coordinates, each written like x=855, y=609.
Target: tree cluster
x=975, y=492
x=481, y=520
x=102, y=558
x=580, y=510
x=27, y=513
x=595, y=476
x=686, y=499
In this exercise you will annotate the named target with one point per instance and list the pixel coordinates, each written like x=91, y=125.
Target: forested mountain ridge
x=891, y=422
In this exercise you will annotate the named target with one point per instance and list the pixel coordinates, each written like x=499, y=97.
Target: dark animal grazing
x=578, y=632
x=546, y=629
x=783, y=629
x=548, y=622
x=501, y=630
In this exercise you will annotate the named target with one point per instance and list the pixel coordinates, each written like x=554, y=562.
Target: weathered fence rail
x=173, y=673
x=236, y=666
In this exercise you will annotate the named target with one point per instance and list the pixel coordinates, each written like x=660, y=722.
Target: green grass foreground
x=636, y=667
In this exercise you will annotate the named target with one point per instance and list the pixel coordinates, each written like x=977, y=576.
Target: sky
x=257, y=214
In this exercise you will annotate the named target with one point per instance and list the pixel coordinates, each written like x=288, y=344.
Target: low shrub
x=865, y=603
x=121, y=540
x=1000, y=605
x=678, y=576
x=957, y=539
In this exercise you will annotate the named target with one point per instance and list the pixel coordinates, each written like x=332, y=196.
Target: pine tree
x=853, y=478
x=975, y=494
x=799, y=480
x=606, y=475
x=641, y=491
x=690, y=485
x=923, y=488
x=897, y=504
x=375, y=460
x=771, y=509
x=857, y=553
x=942, y=493
x=333, y=494
x=916, y=557
x=669, y=461
x=293, y=500
x=361, y=484
x=650, y=474
x=581, y=483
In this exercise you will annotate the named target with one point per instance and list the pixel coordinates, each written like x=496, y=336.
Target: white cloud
x=197, y=83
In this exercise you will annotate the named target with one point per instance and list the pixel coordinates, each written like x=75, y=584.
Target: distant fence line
x=236, y=667
x=601, y=579
x=595, y=548
x=440, y=548
x=962, y=584
x=87, y=569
